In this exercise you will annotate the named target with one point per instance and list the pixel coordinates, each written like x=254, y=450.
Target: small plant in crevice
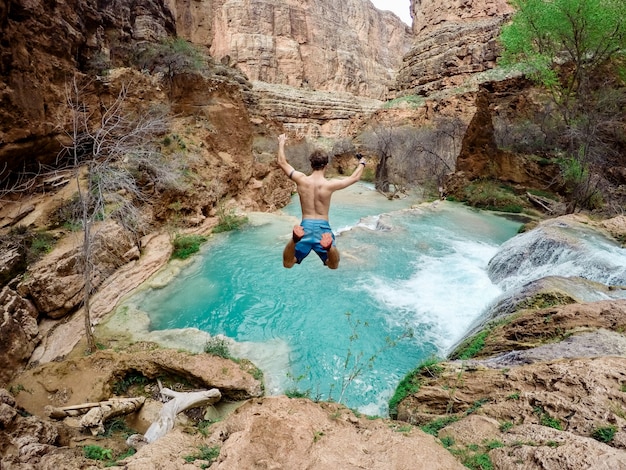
x=438, y=424
x=546, y=420
x=604, y=434
x=131, y=379
x=210, y=454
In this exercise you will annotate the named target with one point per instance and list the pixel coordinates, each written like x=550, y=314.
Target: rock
x=56, y=283
x=285, y=43
x=544, y=448
x=12, y=262
x=453, y=40
x=19, y=332
x=311, y=113
x=304, y=434
x=63, y=383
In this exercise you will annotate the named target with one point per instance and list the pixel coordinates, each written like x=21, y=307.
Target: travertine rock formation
x=453, y=40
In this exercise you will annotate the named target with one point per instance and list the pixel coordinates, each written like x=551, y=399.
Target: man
x=315, y=190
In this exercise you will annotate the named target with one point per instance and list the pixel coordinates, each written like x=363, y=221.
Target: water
x=409, y=284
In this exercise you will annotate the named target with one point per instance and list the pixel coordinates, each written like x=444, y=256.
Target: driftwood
x=548, y=205
x=180, y=402
x=96, y=413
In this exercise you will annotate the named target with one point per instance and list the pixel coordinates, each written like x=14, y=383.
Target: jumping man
x=314, y=190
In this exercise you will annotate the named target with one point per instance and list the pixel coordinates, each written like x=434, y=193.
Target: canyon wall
x=453, y=40
x=346, y=46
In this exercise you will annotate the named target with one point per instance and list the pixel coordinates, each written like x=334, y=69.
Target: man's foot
x=326, y=241
x=298, y=233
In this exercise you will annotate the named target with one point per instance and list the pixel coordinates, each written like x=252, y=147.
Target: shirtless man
x=315, y=190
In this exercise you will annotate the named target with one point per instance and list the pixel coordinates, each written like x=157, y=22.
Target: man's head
x=318, y=159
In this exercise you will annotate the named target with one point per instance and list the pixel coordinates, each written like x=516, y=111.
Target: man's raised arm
x=281, y=158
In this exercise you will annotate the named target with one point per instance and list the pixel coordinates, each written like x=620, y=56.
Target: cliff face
x=453, y=40
x=346, y=46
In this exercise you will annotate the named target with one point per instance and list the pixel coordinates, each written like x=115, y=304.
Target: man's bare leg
x=289, y=253
x=333, y=254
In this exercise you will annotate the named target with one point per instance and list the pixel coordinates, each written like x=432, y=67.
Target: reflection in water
x=421, y=270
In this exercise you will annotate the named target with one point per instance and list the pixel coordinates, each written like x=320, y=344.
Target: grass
x=471, y=347
x=412, y=381
x=438, y=424
x=604, y=433
x=546, y=420
x=186, y=245
x=104, y=455
x=210, y=454
x=229, y=220
x=491, y=195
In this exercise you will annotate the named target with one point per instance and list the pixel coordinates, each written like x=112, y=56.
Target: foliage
x=117, y=426
x=295, y=393
x=436, y=425
x=172, y=56
x=412, y=382
x=132, y=378
x=584, y=33
x=604, y=433
x=95, y=452
x=217, y=346
x=546, y=420
x=186, y=245
x=579, y=182
x=504, y=427
x=478, y=461
x=471, y=347
x=411, y=101
x=229, y=220
x=207, y=453
x=101, y=141
x=491, y=195
x=410, y=155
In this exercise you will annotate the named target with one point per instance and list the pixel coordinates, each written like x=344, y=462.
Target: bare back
x=315, y=192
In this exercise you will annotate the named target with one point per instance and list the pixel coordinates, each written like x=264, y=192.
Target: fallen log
x=179, y=403
x=96, y=413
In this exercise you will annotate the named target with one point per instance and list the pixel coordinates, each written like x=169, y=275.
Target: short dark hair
x=318, y=159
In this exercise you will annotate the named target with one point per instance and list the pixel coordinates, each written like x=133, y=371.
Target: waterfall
x=558, y=248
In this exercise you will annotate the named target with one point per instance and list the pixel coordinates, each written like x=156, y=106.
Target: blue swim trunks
x=313, y=231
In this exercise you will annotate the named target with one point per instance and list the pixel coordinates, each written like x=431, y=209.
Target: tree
x=582, y=35
x=105, y=142
x=576, y=49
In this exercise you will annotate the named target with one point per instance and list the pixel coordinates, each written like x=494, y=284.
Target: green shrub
x=604, y=434
x=478, y=461
x=217, y=346
x=186, y=245
x=504, y=427
x=229, y=220
x=94, y=452
x=491, y=195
